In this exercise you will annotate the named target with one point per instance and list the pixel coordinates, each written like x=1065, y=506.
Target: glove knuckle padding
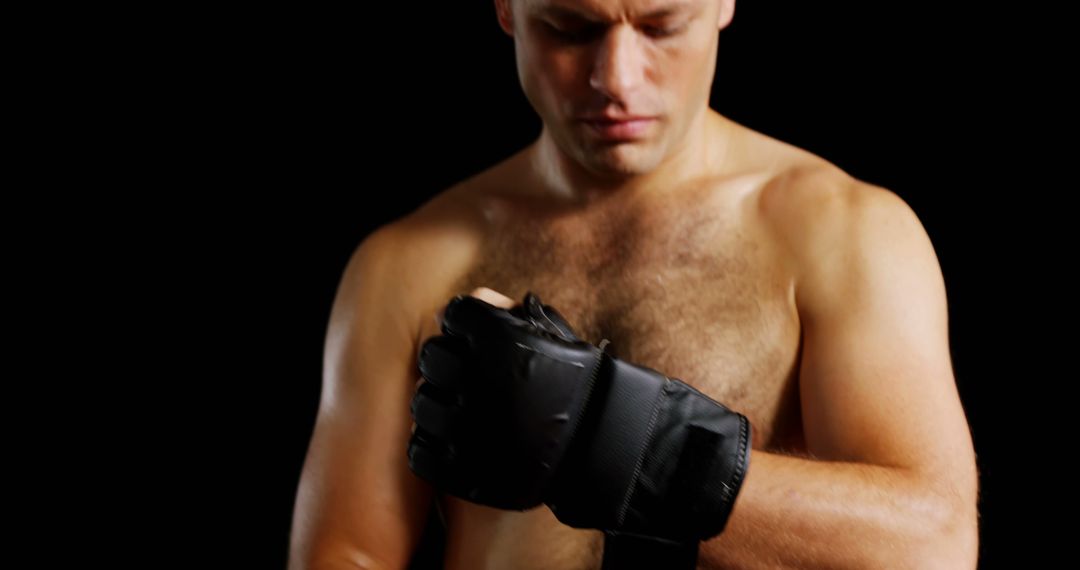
x=436, y=462
x=429, y=457
x=522, y=391
x=655, y=457
x=432, y=411
x=441, y=361
x=466, y=317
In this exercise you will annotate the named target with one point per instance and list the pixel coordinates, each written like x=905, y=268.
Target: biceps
x=876, y=375
x=875, y=394
x=357, y=497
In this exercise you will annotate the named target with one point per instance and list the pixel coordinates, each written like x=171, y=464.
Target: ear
x=505, y=15
x=727, y=12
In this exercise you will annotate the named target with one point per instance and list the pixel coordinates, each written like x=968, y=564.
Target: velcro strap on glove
x=656, y=457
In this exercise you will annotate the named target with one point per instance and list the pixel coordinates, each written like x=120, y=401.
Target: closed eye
x=661, y=32
x=588, y=33
x=570, y=35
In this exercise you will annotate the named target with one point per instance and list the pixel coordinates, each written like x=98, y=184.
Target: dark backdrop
x=305, y=129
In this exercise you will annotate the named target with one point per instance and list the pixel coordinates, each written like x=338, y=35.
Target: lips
x=623, y=129
x=615, y=118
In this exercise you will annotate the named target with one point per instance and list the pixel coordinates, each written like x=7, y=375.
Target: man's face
x=583, y=59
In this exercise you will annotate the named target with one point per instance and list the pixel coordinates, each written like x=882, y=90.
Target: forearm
x=353, y=560
x=361, y=563
x=801, y=513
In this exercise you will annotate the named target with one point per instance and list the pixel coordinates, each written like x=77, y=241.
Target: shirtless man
x=809, y=301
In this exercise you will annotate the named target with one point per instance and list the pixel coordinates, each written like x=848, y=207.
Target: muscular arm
x=357, y=505
x=890, y=481
x=796, y=512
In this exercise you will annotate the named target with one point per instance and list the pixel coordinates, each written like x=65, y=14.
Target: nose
x=619, y=66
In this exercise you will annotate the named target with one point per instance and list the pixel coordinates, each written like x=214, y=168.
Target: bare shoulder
x=797, y=189
x=812, y=205
x=462, y=211
x=424, y=254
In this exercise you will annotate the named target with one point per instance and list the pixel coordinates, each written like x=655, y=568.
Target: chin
x=619, y=160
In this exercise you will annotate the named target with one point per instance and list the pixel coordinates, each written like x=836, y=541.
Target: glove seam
x=555, y=485
x=734, y=484
x=744, y=443
x=657, y=406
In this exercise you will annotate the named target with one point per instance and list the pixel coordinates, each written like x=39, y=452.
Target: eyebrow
x=560, y=11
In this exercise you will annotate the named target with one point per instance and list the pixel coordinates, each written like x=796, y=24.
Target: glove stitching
x=621, y=513
x=731, y=489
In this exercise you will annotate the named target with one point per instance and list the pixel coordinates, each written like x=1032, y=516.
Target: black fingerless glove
x=516, y=411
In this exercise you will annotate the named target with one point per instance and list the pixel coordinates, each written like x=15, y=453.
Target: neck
x=565, y=179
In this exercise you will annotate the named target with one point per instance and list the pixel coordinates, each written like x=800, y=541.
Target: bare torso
x=695, y=284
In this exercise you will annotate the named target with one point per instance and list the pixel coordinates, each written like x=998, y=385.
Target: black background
x=273, y=140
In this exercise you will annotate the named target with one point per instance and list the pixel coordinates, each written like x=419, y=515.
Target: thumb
x=493, y=297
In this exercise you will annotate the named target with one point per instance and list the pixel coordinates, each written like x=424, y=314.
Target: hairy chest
x=698, y=296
